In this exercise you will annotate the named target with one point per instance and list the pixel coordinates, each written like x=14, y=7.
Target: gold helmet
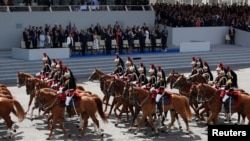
x=229, y=82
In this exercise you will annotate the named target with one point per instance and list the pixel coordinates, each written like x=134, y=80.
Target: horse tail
x=187, y=108
x=100, y=109
x=19, y=112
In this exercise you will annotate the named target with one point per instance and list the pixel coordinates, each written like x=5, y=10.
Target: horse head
x=180, y=82
x=172, y=77
x=95, y=75
x=197, y=78
x=21, y=78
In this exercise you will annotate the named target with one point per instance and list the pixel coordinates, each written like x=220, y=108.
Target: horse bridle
x=134, y=94
x=43, y=103
x=201, y=93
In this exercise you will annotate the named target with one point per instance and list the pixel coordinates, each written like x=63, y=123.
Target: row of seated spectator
x=186, y=15
x=74, y=2
x=115, y=37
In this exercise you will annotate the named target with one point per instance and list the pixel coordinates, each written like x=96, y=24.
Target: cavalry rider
x=160, y=88
x=199, y=63
x=119, y=69
x=194, y=66
x=153, y=77
x=127, y=71
x=142, y=80
x=233, y=76
x=69, y=87
x=221, y=83
x=207, y=72
x=46, y=68
x=134, y=73
x=57, y=75
x=227, y=99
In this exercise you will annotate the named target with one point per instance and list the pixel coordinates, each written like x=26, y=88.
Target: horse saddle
x=229, y=96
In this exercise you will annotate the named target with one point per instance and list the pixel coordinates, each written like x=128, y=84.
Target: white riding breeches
x=158, y=97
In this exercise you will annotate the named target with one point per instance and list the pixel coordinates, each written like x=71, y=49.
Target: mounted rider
x=68, y=87
x=127, y=71
x=194, y=66
x=207, y=73
x=153, y=76
x=142, y=80
x=46, y=68
x=160, y=88
x=133, y=75
x=119, y=68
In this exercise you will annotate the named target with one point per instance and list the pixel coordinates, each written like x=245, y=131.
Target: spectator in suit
x=83, y=40
x=231, y=33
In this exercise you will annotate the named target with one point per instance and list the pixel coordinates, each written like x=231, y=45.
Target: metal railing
x=76, y=8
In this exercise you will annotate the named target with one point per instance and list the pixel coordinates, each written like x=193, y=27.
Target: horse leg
x=183, y=115
x=9, y=124
x=137, y=111
x=112, y=106
x=65, y=132
x=118, y=104
x=107, y=97
x=30, y=101
x=96, y=122
x=172, y=113
x=213, y=117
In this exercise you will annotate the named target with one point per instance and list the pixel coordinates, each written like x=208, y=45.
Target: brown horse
x=21, y=78
x=88, y=107
x=5, y=92
x=184, y=87
x=33, y=84
x=143, y=99
x=211, y=95
x=9, y=106
x=116, y=88
x=197, y=78
x=104, y=83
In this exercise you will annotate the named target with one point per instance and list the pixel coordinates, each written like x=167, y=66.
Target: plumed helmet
x=220, y=67
x=59, y=65
x=117, y=59
x=159, y=68
x=132, y=68
x=152, y=68
x=159, y=73
x=129, y=61
x=54, y=63
x=229, y=72
x=205, y=67
x=193, y=61
x=141, y=68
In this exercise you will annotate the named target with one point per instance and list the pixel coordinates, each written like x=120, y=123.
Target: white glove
x=152, y=89
x=45, y=79
x=144, y=86
x=59, y=92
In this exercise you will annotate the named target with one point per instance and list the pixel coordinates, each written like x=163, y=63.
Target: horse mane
x=24, y=73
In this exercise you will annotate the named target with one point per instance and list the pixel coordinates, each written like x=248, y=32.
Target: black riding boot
x=68, y=110
x=159, y=107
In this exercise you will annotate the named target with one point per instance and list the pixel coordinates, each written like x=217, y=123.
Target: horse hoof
x=180, y=127
x=116, y=125
x=79, y=136
x=14, y=130
x=135, y=133
x=48, y=138
x=69, y=135
x=102, y=135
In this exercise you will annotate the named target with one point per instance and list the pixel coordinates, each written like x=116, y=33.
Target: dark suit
x=231, y=33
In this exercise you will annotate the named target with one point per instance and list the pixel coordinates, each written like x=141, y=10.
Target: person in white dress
x=95, y=43
x=41, y=40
